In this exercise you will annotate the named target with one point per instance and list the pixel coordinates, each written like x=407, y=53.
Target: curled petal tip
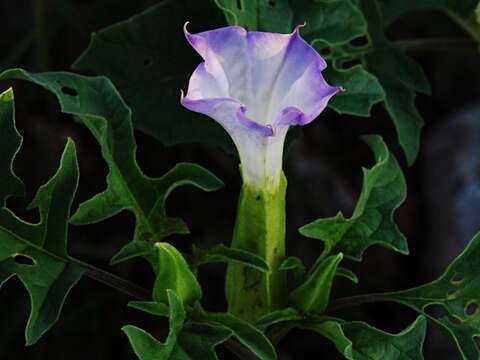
x=185, y=27
x=298, y=27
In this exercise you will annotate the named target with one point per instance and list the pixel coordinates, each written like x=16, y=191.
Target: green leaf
x=393, y=9
x=36, y=253
x=296, y=267
x=221, y=253
x=362, y=90
x=145, y=346
x=197, y=341
x=333, y=22
x=194, y=340
x=174, y=274
x=149, y=60
x=151, y=307
x=384, y=189
x=96, y=102
x=457, y=293
x=329, y=22
x=347, y=274
x=401, y=78
x=360, y=341
x=258, y=15
x=247, y=334
x=313, y=295
x=278, y=316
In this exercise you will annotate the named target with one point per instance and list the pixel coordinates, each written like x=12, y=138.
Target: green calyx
x=259, y=229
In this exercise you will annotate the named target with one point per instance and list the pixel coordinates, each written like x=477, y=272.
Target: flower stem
x=259, y=229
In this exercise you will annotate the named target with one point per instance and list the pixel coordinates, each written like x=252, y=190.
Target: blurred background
x=323, y=166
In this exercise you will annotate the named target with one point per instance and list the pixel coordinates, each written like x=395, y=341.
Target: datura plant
x=262, y=74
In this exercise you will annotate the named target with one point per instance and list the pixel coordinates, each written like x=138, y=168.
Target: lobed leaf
x=384, y=189
x=37, y=253
x=145, y=346
x=247, y=334
x=457, y=293
x=360, y=341
x=401, y=78
x=96, y=102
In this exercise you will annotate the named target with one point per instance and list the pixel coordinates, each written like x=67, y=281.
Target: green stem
x=113, y=281
x=260, y=229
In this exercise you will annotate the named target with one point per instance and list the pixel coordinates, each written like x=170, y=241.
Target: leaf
x=313, y=295
x=151, y=307
x=247, y=334
x=362, y=90
x=329, y=22
x=197, y=341
x=145, y=346
x=393, y=9
x=384, y=189
x=347, y=274
x=36, y=253
x=194, y=341
x=96, y=102
x=149, y=60
x=174, y=274
x=401, y=78
x=278, y=316
x=221, y=253
x=360, y=341
x=457, y=293
x=332, y=22
x=258, y=15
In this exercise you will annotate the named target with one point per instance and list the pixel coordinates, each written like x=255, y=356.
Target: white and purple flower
x=256, y=85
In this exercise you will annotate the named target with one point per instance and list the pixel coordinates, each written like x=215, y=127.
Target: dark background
x=323, y=168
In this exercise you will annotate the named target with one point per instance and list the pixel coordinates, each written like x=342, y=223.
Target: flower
x=257, y=85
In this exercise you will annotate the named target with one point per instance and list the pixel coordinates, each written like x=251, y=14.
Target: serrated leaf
x=174, y=274
x=149, y=61
x=362, y=90
x=313, y=295
x=384, y=189
x=221, y=253
x=457, y=292
x=36, y=253
x=145, y=346
x=401, y=78
x=96, y=102
x=393, y=9
x=360, y=341
x=247, y=334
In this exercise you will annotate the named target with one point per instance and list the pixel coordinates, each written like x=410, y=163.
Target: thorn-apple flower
x=257, y=85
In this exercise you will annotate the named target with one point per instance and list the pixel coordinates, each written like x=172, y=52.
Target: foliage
x=142, y=64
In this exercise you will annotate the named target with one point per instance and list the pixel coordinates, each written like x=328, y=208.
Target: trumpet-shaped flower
x=257, y=85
